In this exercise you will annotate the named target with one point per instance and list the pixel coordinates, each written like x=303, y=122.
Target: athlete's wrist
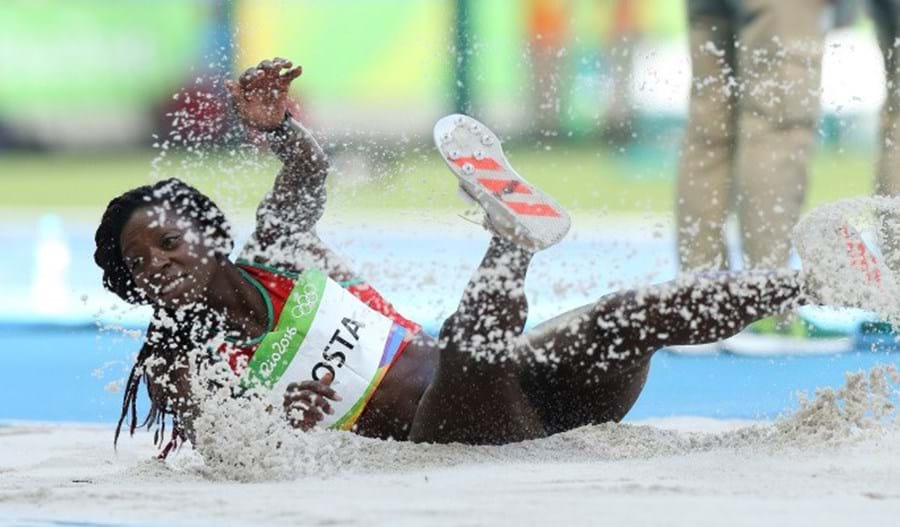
x=283, y=128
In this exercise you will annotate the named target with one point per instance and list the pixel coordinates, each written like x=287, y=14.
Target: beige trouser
x=886, y=15
x=751, y=127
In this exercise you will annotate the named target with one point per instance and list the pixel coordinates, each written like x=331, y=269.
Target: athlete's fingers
x=272, y=69
x=282, y=66
x=291, y=74
x=296, y=412
x=331, y=394
x=305, y=414
x=327, y=391
x=312, y=416
x=320, y=387
x=327, y=378
x=248, y=75
x=304, y=391
x=294, y=415
x=298, y=396
x=297, y=387
x=322, y=403
x=304, y=419
x=293, y=389
x=253, y=80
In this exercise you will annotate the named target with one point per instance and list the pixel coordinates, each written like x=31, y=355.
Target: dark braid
x=165, y=344
x=161, y=342
x=129, y=400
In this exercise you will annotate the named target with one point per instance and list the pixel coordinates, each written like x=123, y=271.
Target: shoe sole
x=860, y=257
x=850, y=275
x=516, y=209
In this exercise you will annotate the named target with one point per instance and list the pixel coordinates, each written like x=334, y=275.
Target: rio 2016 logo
x=304, y=299
x=278, y=351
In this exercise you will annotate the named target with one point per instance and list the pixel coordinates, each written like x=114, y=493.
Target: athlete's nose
x=158, y=261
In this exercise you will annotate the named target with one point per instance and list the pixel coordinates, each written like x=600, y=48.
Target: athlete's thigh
x=566, y=396
x=473, y=400
x=615, y=333
x=583, y=367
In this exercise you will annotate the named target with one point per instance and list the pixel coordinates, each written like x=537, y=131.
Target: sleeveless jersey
x=318, y=326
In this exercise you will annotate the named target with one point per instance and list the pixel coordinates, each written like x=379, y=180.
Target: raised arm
x=285, y=234
x=298, y=196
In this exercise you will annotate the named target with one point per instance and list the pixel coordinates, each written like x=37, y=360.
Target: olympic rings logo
x=304, y=300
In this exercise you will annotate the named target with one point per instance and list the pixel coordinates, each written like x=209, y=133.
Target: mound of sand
x=835, y=460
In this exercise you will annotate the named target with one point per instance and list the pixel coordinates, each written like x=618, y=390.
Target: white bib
x=323, y=328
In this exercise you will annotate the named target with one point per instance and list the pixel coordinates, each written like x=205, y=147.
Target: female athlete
x=290, y=316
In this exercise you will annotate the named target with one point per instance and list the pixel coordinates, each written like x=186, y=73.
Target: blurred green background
x=86, y=97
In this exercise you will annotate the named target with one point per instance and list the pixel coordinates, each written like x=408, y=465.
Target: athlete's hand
x=261, y=94
x=306, y=403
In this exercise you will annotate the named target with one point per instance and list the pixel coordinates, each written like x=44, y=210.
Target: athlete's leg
x=476, y=396
x=589, y=365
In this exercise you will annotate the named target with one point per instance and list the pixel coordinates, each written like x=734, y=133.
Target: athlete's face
x=170, y=259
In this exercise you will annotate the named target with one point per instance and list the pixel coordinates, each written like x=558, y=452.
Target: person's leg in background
x=704, y=187
x=886, y=15
x=548, y=31
x=623, y=39
x=779, y=64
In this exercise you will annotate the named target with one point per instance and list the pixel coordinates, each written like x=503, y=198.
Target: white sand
x=626, y=475
x=835, y=461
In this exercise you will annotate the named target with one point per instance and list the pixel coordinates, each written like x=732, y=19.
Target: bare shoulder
x=295, y=252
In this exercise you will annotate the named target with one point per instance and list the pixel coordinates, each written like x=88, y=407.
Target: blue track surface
x=57, y=373
x=53, y=376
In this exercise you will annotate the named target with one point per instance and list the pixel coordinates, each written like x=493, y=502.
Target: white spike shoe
x=850, y=275
x=515, y=209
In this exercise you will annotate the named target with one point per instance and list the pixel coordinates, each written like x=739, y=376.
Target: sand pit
x=71, y=474
x=835, y=461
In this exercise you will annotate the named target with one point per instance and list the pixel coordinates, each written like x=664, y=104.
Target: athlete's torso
x=318, y=326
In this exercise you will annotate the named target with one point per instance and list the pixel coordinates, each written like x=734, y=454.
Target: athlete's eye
x=170, y=241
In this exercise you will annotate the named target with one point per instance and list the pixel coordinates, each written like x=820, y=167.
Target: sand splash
x=850, y=250
x=242, y=440
x=246, y=439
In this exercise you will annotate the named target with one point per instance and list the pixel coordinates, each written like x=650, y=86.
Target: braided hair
x=162, y=342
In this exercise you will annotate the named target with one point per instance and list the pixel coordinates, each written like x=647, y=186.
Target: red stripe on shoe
x=486, y=163
x=504, y=186
x=860, y=257
x=532, y=209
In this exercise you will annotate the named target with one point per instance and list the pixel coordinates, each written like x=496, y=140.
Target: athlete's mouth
x=173, y=284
